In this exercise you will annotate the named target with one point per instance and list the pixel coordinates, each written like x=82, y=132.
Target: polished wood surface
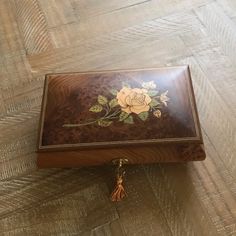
x=68, y=100
x=135, y=155
x=39, y=37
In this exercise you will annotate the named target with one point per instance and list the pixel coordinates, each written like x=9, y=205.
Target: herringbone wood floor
x=41, y=36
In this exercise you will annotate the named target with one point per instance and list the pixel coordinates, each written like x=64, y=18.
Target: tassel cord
x=119, y=192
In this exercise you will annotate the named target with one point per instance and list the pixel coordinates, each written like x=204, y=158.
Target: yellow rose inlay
x=133, y=100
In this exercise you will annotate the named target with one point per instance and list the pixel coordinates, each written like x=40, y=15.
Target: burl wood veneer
x=146, y=116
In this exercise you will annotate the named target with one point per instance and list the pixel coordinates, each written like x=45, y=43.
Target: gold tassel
x=119, y=192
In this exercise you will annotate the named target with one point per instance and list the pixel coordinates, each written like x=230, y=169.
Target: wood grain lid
x=118, y=108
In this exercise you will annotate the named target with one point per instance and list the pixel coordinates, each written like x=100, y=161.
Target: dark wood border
x=197, y=139
x=194, y=104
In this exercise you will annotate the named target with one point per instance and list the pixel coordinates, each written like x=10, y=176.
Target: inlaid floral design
x=127, y=103
x=134, y=100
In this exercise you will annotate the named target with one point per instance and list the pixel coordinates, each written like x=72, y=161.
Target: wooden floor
x=42, y=36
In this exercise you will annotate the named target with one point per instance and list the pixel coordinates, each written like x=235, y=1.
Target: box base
x=135, y=155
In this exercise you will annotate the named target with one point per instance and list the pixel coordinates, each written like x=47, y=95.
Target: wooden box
x=145, y=116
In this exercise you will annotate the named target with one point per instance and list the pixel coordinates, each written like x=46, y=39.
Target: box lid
x=118, y=108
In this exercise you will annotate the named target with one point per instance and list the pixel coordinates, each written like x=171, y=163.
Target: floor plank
x=40, y=36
